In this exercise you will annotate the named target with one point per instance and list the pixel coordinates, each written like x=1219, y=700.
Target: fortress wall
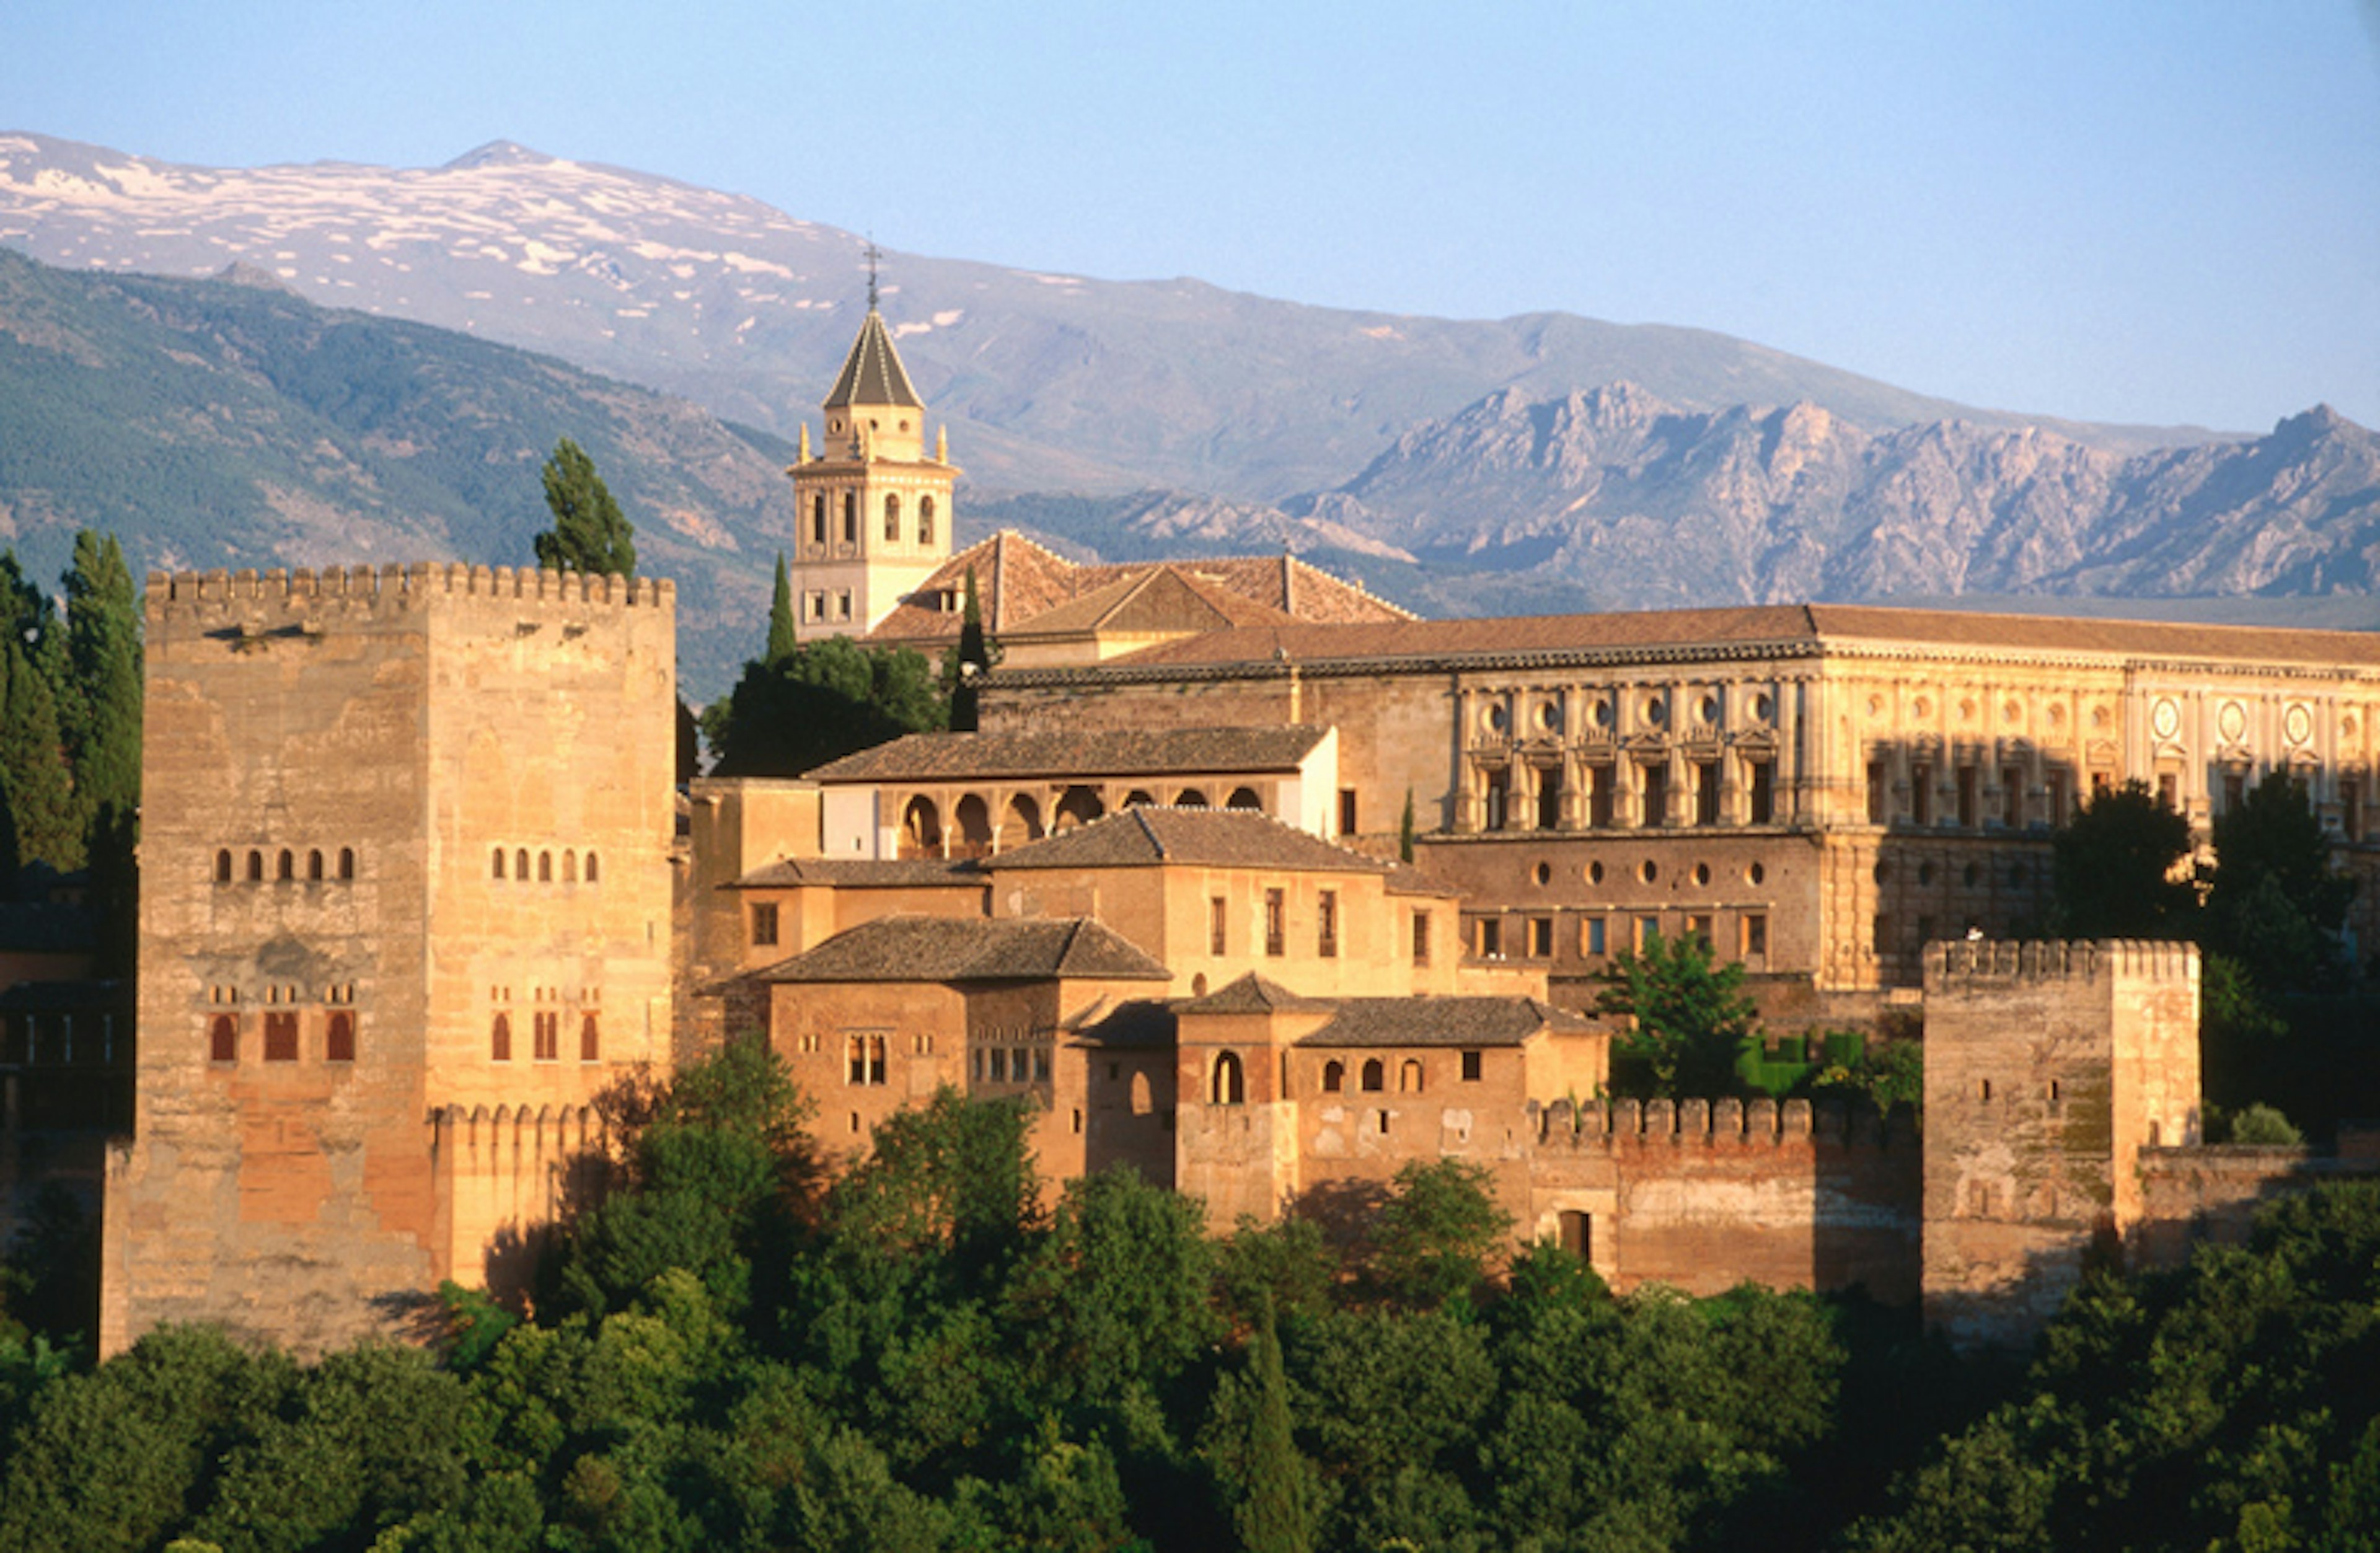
x=504, y=1174
x=1705, y=1196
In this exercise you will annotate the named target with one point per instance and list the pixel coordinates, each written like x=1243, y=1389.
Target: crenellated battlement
x=1608, y=1124
x=1960, y=965
x=214, y=596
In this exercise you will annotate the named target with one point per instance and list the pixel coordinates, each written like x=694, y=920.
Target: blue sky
x=2158, y=213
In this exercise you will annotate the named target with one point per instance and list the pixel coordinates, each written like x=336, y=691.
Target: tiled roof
x=1254, y=994
x=1812, y=626
x=1141, y=836
x=1119, y=752
x=1406, y=880
x=1018, y=582
x=859, y=873
x=970, y=949
x=1135, y=1022
x=872, y=373
x=1444, y=1022
x=1164, y=598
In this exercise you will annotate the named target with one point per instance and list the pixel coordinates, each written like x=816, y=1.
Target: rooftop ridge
x=402, y=584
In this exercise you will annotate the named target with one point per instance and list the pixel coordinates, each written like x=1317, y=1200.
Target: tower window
x=548, y=1028
x=285, y=868
x=346, y=863
x=339, y=1045
x=764, y=922
x=925, y=520
x=496, y=864
x=818, y=520
x=281, y=1036
x=591, y=1040
x=255, y=868
x=223, y=1040
x=314, y=865
x=223, y=866
x=891, y=517
x=1229, y=1087
x=851, y=517
x=593, y=877
x=545, y=868
x=1374, y=1076
x=500, y=1039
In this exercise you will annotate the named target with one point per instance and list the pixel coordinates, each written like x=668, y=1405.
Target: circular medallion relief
x=1549, y=716
x=2165, y=720
x=2232, y=720
x=1921, y=707
x=1763, y=708
x=1494, y=717
x=2296, y=724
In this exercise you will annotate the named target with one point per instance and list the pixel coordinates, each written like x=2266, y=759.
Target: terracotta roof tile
x=1392, y=1022
x=1119, y=752
x=1135, y=1022
x=859, y=873
x=908, y=948
x=1140, y=837
x=1254, y=994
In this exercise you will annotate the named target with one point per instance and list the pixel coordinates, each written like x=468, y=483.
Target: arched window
x=314, y=865
x=520, y=865
x=1139, y=798
x=1229, y=1086
x=223, y=866
x=1021, y=824
x=1078, y=806
x=1190, y=798
x=891, y=517
x=346, y=862
x=591, y=1040
x=1376, y=1077
x=592, y=876
x=285, y=867
x=925, y=520
x=339, y=1045
x=496, y=864
x=500, y=1039
x=1334, y=1076
x=1409, y=1076
x=545, y=868
x=223, y=1040
x=255, y=868
x=973, y=818
x=1143, y=1100
x=851, y=517
x=1244, y=798
x=570, y=867
x=281, y=1036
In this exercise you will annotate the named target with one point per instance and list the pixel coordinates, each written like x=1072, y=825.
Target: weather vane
x=873, y=253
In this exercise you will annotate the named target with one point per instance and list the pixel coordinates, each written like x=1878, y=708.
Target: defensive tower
x=405, y=911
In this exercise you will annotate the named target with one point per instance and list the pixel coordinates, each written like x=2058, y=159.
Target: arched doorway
x=974, y=819
x=1078, y=806
x=921, y=829
x=1021, y=825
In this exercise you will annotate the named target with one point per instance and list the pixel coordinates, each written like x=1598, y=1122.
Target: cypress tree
x=102, y=721
x=781, y=640
x=1266, y=1484
x=590, y=534
x=1405, y=830
x=33, y=773
x=974, y=661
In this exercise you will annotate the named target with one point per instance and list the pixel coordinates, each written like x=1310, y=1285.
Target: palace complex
x=417, y=887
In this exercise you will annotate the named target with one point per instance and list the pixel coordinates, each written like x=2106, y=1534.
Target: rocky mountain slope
x=1639, y=502
x=1051, y=383
x=213, y=424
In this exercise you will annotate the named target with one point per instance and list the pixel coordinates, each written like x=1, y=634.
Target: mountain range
x=680, y=334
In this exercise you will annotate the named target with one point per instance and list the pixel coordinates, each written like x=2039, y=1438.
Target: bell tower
x=874, y=509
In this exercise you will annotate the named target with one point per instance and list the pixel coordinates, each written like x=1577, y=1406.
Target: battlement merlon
x=298, y=594
x=1962, y=965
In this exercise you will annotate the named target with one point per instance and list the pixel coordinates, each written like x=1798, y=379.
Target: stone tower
x=405, y=910
x=2048, y=1068
x=873, y=510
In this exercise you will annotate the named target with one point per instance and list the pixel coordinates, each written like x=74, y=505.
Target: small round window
x=1648, y=870
x=1601, y=712
x=1757, y=874
x=1702, y=873
x=1549, y=716
x=1656, y=711
x=1595, y=873
x=1543, y=873
x=1707, y=708
x=1494, y=717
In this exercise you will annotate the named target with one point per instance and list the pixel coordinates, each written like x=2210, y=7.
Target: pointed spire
x=805, y=444
x=872, y=373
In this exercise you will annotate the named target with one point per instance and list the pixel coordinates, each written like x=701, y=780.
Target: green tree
x=2113, y=868
x=1405, y=830
x=1432, y=1238
x=1266, y=1486
x=1691, y=1018
x=34, y=776
x=952, y=1178
x=827, y=699
x=102, y=719
x=974, y=657
x=590, y=534
x=2261, y=1124
x=781, y=638
x=2273, y=902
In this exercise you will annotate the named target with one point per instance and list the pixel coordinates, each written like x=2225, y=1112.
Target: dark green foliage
x=2113, y=868
x=1117, y=1295
x=828, y=699
x=1432, y=1238
x=2273, y=902
x=590, y=534
x=35, y=778
x=49, y=1283
x=781, y=638
x=102, y=717
x=1405, y=830
x=2233, y=1405
x=1692, y=1017
x=2261, y=1125
x=1265, y=1485
x=973, y=657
